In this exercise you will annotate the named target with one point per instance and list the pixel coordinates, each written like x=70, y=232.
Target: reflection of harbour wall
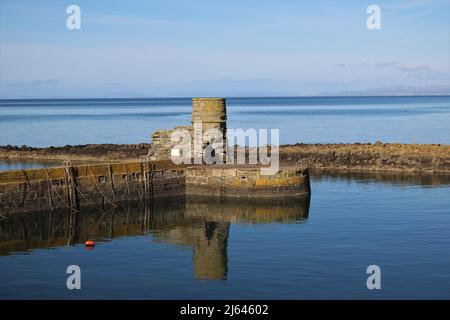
x=199, y=223
x=170, y=219
x=51, y=228
x=249, y=210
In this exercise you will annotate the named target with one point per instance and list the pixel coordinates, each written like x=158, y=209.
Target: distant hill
x=395, y=91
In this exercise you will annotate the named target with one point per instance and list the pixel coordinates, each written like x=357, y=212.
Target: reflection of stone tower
x=210, y=113
x=210, y=251
x=209, y=242
x=204, y=226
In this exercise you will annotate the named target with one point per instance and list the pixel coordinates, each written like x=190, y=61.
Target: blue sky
x=185, y=48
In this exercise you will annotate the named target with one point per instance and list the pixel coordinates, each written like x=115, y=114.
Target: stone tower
x=209, y=113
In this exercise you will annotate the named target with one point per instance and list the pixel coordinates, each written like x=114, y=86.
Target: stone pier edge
x=103, y=185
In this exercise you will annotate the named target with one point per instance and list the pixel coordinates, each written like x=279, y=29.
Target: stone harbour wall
x=104, y=185
x=246, y=181
x=98, y=185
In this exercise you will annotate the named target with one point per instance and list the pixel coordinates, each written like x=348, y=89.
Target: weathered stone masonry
x=209, y=113
x=246, y=182
x=87, y=185
x=104, y=185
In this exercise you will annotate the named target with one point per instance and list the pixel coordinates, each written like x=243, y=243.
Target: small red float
x=89, y=243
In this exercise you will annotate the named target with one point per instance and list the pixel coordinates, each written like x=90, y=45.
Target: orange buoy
x=89, y=243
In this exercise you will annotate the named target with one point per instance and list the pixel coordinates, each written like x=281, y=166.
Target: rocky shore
x=87, y=152
x=370, y=157
x=355, y=157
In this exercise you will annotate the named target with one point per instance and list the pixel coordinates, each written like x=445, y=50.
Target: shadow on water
x=384, y=177
x=200, y=224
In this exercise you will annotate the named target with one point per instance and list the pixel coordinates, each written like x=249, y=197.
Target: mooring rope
x=137, y=191
x=148, y=166
x=128, y=187
x=144, y=169
x=104, y=212
x=7, y=213
x=98, y=187
x=84, y=196
x=152, y=173
x=70, y=184
x=54, y=189
x=111, y=178
x=25, y=188
x=49, y=195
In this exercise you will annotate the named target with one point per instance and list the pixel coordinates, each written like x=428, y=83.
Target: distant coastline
x=388, y=91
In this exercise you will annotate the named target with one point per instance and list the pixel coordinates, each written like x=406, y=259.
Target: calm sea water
x=187, y=249
x=9, y=164
x=332, y=119
x=261, y=250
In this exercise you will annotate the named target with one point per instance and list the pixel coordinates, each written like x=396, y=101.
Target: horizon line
x=238, y=97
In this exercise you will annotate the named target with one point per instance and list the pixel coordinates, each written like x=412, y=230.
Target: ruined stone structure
x=207, y=113
x=161, y=142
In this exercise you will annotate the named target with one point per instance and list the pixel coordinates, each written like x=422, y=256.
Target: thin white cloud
x=129, y=21
x=413, y=68
x=382, y=65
